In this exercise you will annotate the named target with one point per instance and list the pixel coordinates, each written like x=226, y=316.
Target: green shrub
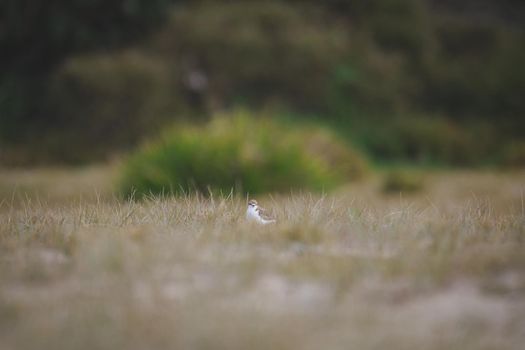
x=242, y=153
x=397, y=181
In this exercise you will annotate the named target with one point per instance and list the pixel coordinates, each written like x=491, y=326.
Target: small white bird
x=256, y=213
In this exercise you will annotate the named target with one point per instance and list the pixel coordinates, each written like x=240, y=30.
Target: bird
x=258, y=214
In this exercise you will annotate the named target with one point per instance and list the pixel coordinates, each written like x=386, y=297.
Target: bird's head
x=252, y=203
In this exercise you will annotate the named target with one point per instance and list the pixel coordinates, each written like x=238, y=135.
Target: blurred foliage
x=107, y=102
x=403, y=181
x=430, y=141
x=477, y=71
x=37, y=36
x=242, y=153
x=35, y=39
x=514, y=154
x=425, y=81
x=255, y=52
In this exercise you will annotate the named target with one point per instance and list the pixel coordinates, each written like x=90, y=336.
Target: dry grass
x=357, y=269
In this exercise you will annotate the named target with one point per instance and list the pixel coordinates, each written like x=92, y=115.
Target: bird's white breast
x=252, y=214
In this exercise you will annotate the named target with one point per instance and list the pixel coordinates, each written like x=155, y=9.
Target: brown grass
x=444, y=268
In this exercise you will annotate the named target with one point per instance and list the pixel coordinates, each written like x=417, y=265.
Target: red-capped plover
x=256, y=213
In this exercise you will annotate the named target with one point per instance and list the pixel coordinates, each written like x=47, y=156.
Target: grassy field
x=443, y=268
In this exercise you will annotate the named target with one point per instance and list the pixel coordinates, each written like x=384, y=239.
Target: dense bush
x=240, y=153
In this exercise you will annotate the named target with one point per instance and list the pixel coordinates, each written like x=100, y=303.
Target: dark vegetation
x=426, y=82
x=36, y=41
